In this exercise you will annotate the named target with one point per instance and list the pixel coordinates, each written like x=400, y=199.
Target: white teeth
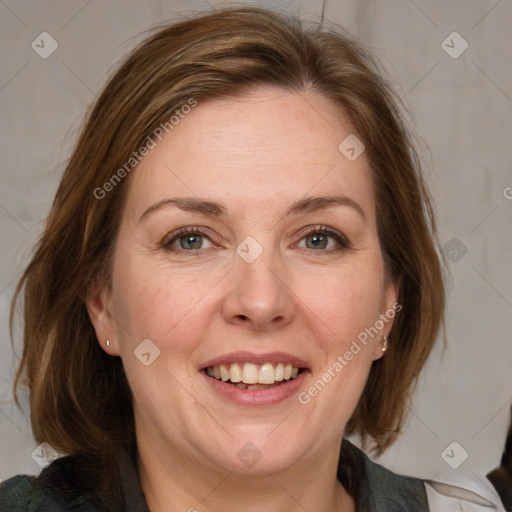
x=235, y=373
x=241, y=385
x=250, y=373
x=260, y=386
x=224, y=375
x=251, y=376
x=266, y=374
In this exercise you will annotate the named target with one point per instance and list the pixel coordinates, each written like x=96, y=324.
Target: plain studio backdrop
x=452, y=64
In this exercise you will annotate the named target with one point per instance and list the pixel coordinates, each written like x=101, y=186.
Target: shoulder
x=463, y=494
x=16, y=493
x=53, y=490
x=379, y=488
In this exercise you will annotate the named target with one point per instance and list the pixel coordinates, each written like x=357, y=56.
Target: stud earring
x=107, y=343
x=385, y=344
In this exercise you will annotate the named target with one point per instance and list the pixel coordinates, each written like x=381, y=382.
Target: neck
x=183, y=482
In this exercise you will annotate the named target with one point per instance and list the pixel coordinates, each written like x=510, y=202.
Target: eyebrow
x=214, y=209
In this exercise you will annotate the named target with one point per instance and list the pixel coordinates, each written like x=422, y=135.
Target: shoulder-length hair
x=79, y=397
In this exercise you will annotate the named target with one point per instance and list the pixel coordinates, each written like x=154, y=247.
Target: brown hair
x=79, y=397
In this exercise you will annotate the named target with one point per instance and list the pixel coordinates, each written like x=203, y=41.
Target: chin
x=260, y=453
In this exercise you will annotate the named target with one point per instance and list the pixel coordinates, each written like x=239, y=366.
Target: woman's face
x=247, y=283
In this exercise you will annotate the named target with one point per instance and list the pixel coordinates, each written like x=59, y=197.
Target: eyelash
x=167, y=242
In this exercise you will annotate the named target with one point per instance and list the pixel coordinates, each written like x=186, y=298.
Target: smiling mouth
x=251, y=376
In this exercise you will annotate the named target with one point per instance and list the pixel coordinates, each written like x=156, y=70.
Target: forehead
x=259, y=150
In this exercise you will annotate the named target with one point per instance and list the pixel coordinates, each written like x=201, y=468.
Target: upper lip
x=251, y=357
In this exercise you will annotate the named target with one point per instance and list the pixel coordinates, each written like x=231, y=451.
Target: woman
x=240, y=266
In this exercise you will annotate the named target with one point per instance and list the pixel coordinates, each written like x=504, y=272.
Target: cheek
x=168, y=308
x=156, y=302
x=343, y=301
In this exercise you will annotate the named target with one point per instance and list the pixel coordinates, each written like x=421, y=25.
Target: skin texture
x=257, y=155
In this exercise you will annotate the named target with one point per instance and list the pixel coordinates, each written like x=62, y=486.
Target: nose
x=258, y=295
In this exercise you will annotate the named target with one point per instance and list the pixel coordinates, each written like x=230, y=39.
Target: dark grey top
x=375, y=489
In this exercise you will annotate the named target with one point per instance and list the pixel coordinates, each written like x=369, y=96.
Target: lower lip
x=259, y=397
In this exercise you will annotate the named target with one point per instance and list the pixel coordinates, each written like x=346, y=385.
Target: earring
x=385, y=345
x=107, y=343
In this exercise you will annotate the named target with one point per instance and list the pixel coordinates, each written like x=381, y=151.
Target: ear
x=389, y=309
x=98, y=299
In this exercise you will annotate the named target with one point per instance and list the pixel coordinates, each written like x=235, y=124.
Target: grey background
x=462, y=109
